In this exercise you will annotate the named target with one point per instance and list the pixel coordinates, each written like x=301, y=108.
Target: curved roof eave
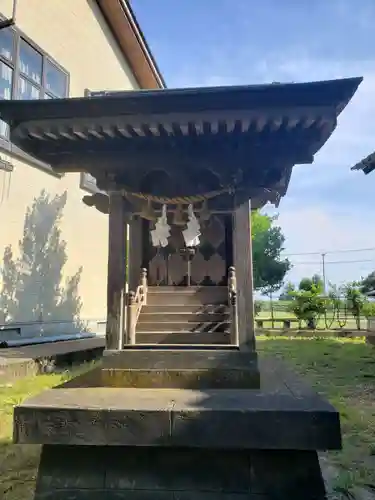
x=367, y=165
x=330, y=94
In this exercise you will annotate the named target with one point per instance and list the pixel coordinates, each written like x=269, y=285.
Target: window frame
x=5, y=144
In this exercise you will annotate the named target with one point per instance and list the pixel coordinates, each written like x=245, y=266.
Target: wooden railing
x=232, y=303
x=137, y=299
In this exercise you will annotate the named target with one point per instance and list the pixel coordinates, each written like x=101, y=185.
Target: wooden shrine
x=181, y=419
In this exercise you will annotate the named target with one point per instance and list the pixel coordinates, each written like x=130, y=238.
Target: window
x=26, y=72
x=7, y=43
x=55, y=81
x=6, y=70
x=6, y=79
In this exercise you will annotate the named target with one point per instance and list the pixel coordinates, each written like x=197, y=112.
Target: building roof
x=126, y=31
x=249, y=136
x=367, y=165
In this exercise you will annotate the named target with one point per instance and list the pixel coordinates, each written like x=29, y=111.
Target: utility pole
x=324, y=271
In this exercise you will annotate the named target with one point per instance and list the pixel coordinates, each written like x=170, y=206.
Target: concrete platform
x=281, y=414
x=225, y=418
x=15, y=368
x=29, y=360
x=176, y=443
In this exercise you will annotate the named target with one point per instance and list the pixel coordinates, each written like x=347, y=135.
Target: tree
x=286, y=294
x=355, y=300
x=368, y=309
x=367, y=285
x=307, y=284
x=269, y=268
x=308, y=302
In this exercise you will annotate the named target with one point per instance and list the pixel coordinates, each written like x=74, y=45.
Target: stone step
x=186, y=348
x=185, y=309
x=188, y=289
x=187, y=295
x=180, y=316
x=135, y=358
x=178, y=368
x=181, y=326
x=180, y=299
x=182, y=337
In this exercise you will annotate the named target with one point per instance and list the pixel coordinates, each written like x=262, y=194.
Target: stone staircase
x=184, y=315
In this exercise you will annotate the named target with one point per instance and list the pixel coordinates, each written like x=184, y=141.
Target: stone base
x=182, y=369
x=98, y=473
x=104, y=438
x=280, y=414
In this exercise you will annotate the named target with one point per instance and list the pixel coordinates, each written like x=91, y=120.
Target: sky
x=328, y=207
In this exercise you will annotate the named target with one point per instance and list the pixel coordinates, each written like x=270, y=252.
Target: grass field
x=342, y=370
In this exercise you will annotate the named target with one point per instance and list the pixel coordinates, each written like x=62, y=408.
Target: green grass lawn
x=342, y=370
x=18, y=464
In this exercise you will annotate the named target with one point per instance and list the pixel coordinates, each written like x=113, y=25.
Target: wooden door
x=209, y=266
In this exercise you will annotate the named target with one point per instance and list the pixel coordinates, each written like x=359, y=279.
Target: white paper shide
x=162, y=231
x=192, y=232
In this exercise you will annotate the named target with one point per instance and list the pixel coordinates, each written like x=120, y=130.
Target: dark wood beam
x=116, y=283
x=52, y=140
x=127, y=169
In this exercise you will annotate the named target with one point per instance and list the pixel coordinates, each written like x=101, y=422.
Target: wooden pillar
x=243, y=263
x=116, y=281
x=135, y=252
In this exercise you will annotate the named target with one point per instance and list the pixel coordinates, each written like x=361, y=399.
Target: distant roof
x=367, y=165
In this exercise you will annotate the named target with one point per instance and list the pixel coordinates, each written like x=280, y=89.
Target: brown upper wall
x=128, y=35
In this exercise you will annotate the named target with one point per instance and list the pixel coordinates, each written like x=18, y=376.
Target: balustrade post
x=144, y=284
x=132, y=318
x=232, y=302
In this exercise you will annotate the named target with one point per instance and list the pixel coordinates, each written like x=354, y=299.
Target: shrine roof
x=333, y=94
x=367, y=165
x=238, y=139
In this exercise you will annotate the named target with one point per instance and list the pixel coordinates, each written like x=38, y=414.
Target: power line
x=326, y=262
x=330, y=252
